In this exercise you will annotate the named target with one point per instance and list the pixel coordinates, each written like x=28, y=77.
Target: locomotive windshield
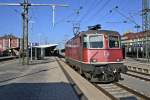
x=96, y=41
x=113, y=41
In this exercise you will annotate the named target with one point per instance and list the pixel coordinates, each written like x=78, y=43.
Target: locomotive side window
x=96, y=41
x=113, y=41
x=85, y=42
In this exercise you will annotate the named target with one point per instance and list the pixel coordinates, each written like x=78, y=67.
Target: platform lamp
x=32, y=22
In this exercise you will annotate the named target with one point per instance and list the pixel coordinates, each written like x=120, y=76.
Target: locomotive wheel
x=76, y=68
x=88, y=76
x=103, y=78
x=108, y=77
x=117, y=77
x=80, y=71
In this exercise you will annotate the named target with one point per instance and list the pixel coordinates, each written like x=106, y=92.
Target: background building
x=135, y=44
x=9, y=44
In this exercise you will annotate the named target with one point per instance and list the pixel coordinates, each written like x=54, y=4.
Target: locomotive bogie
x=99, y=72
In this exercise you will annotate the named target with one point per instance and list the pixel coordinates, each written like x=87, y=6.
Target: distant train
x=96, y=54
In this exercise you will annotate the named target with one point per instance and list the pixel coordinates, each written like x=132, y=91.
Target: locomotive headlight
x=93, y=60
x=118, y=60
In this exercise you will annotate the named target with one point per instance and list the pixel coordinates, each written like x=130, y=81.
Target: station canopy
x=45, y=46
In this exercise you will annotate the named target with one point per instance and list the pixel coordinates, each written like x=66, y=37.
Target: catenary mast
x=146, y=23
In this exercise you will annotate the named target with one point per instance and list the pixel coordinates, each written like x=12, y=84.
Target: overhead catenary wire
x=128, y=18
x=64, y=19
x=87, y=11
x=73, y=15
x=105, y=4
x=137, y=26
x=78, y=11
x=100, y=9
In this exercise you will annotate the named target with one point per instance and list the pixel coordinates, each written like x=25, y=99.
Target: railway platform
x=39, y=81
x=138, y=65
x=45, y=80
x=7, y=58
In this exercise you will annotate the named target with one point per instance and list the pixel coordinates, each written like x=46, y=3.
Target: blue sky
x=92, y=12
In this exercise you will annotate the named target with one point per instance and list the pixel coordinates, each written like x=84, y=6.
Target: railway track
x=139, y=72
x=4, y=60
x=7, y=58
x=114, y=92
x=140, y=76
x=118, y=91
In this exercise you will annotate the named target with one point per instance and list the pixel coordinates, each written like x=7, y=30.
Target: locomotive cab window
x=96, y=41
x=114, y=41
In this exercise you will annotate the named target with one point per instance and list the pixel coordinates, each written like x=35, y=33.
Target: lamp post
x=32, y=22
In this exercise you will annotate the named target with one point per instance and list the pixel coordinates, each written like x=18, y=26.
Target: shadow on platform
x=28, y=74
x=37, y=91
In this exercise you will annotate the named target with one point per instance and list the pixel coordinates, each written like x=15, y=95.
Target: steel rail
x=142, y=78
x=7, y=58
x=105, y=92
x=133, y=91
x=139, y=72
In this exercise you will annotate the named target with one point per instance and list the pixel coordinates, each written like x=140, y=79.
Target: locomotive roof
x=95, y=31
x=99, y=32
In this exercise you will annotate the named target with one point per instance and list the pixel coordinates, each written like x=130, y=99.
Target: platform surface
x=45, y=81
x=138, y=65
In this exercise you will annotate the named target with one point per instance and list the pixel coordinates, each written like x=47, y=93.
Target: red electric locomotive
x=96, y=54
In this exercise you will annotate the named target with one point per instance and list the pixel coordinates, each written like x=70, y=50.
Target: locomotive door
x=123, y=51
x=81, y=47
